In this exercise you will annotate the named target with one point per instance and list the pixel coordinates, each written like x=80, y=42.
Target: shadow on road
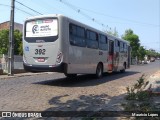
x=87, y=105
x=85, y=80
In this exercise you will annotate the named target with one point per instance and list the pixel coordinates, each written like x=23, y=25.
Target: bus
x=56, y=43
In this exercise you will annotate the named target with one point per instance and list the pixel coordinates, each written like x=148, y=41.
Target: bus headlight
x=59, y=58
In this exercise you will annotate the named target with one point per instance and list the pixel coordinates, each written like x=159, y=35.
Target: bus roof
x=42, y=16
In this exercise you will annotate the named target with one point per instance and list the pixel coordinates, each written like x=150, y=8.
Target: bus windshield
x=41, y=29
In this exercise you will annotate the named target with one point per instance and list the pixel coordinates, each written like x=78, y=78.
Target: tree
x=18, y=42
x=113, y=33
x=134, y=41
x=141, y=53
x=4, y=37
x=4, y=40
x=152, y=53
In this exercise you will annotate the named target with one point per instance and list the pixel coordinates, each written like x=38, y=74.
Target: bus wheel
x=70, y=75
x=99, y=71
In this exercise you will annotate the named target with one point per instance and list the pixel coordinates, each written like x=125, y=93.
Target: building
x=6, y=25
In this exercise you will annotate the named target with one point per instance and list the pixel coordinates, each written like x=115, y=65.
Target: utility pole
x=11, y=41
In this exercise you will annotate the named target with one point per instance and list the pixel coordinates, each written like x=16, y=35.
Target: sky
x=142, y=16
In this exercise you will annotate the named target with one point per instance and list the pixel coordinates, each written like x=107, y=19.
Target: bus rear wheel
x=99, y=71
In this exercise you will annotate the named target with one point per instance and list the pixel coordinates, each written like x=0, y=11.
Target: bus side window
x=77, y=35
x=117, y=45
x=124, y=46
x=92, y=39
x=72, y=29
x=103, y=41
x=121, y=46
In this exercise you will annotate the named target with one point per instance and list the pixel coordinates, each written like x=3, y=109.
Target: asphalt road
x=53, y=92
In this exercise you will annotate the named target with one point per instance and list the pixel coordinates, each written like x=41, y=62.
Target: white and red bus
x=60, y=44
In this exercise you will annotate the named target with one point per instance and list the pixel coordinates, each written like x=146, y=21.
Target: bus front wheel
x=99, y=71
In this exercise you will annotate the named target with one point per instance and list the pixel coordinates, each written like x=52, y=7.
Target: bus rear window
x=42, y=28
x=45, y=29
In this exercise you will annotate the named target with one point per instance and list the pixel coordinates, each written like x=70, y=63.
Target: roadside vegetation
x=138, y=99
x=138, y=50
x=4, y=40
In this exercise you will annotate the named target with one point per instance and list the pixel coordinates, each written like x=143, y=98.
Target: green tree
x=4, y=37
x=112, y=32
x=141, y=53
x=4, y=40
x=152, y=53
x=18, y=42
x=134, y=41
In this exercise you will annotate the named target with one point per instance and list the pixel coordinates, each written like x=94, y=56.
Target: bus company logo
x=35, y=29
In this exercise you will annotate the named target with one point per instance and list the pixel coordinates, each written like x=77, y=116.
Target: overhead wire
x=128, y=20
x=17, y=9
x=80, y=10
x=28, y=7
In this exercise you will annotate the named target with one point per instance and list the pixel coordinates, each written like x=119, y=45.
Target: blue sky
x=142, y=16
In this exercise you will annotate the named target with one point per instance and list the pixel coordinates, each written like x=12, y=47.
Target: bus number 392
x=40, y=51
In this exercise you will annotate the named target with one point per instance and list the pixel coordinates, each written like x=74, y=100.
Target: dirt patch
x=156, y=75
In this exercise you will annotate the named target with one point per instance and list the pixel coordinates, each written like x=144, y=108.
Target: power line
x=79, y=10
x=17, y=9
x=133, y=21
x=28, y=7
x=24, y=11
x=5, y=5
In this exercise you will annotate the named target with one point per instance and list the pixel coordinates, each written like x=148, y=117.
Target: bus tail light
x=59, y=57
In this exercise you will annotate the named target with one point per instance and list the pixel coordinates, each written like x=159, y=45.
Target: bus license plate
x=40, y=59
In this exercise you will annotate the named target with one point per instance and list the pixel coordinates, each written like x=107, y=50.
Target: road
x=54, y=92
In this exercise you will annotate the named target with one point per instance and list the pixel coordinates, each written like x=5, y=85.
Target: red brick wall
x=6, y=25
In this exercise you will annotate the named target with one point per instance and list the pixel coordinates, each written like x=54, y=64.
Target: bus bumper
x=44, y=68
